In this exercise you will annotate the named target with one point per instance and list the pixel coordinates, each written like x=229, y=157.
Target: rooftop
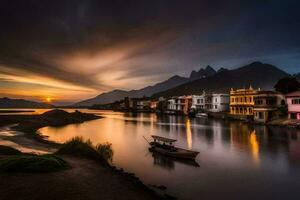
x=293, y=94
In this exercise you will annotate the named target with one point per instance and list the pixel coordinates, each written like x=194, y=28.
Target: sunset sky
x=69, y=50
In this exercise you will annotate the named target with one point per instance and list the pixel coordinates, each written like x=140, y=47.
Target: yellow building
x=242, y=101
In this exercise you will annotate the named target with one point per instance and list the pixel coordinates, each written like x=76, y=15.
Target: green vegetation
x=84, y=148
x=5, y=150
x=32, y=163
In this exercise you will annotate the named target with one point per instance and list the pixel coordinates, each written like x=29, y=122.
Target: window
x=260, y=115
x=216, y=107
x=198, y=101
x=245, y=99
x=295, y=101
x=250, y=99
x=241, y=99
x=270, y=101
x=216, y=100
x=232, y=99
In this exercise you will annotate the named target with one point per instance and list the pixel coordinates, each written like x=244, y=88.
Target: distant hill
x=116, y=95
x=21, y=103
x=256, y=74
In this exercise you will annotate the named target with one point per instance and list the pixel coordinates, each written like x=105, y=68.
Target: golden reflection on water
x=254, y=146
x=188, y=133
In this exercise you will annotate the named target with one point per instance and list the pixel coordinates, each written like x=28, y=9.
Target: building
x=266, y=104
x=210, y=102
x=293, y=103
x=171, y=104
x=183, y=104
x=198, y=102
x=219, y=103
x=180, y=105
x=242, y=101
x=153, y=104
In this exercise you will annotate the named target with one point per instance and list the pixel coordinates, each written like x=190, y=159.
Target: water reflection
x=254, y=146
x=267, y=157
x=188, y=133
x=169, y=163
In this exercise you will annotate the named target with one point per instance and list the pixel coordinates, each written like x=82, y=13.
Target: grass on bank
x=84, y=148
x=32, y=163
x=13, y=160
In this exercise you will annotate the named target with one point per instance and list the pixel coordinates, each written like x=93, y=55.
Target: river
x=236, y=160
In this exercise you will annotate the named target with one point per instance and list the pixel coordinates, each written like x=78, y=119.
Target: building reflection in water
x=254, y=146
x=244, y=137
x=188, y=133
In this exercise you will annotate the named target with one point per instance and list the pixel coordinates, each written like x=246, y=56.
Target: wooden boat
x=165, y=147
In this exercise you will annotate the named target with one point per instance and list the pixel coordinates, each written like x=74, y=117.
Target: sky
x=69, y=50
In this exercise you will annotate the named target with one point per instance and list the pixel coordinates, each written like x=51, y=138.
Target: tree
x=287, y=85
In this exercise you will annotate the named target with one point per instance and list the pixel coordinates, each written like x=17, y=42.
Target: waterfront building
x=293, y=102
x=171, y=104
x=266, y=104
x=198, y=102
x=219, y=103
x=142, y=104
x=153, y=104
x=210, y=102
x=242, y=101
x=183, y=104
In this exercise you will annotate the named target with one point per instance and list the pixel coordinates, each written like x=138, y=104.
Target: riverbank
x=86, y=178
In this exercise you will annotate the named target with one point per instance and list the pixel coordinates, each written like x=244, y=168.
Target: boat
x=201, y=115
x=165, y=146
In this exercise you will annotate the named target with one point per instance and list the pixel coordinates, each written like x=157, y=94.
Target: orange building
x=242, y=101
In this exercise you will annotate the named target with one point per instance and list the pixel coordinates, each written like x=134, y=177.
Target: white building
x=219, y=102
x=172, y=104
x=198, y=102
x=210, y=102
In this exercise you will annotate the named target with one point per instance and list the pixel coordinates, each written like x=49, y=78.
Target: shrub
x=105, y=150
x=32, y=163
x=79, y=147
x=5, y=150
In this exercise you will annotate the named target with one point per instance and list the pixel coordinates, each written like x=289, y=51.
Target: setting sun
x=48, y=99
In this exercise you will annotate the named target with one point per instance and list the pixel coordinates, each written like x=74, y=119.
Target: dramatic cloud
x=72, y=49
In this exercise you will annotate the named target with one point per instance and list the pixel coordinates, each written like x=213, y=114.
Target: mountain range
x=256, y=74
x=172, y=82
x=21, y=103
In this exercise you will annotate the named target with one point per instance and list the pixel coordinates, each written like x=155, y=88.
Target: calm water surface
x=236, y=161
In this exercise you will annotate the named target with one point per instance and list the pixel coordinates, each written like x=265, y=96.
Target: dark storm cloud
x=40, y=37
